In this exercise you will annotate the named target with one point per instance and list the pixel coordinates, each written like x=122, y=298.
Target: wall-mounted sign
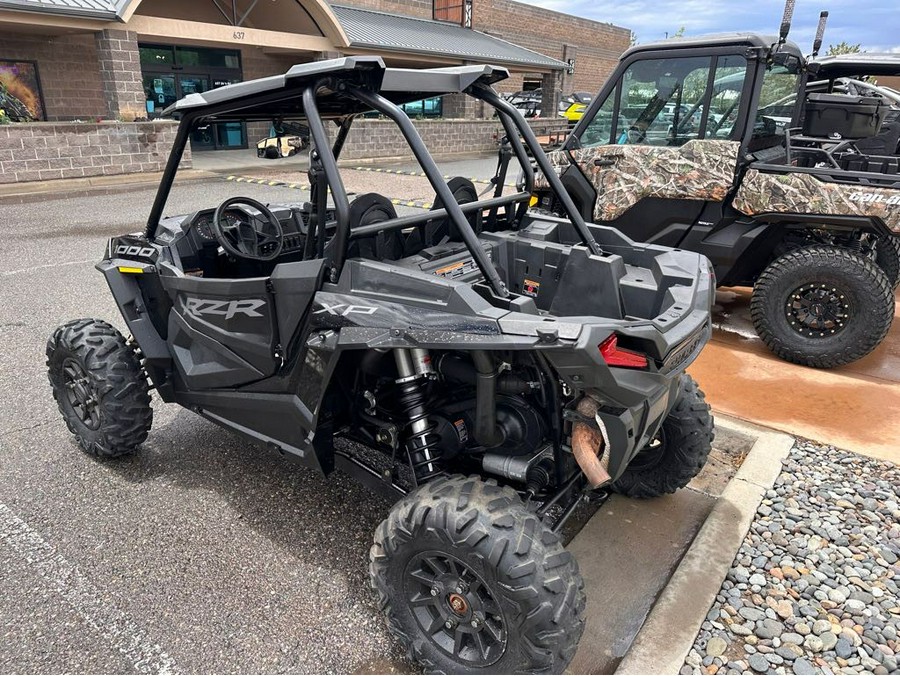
x=20, y=91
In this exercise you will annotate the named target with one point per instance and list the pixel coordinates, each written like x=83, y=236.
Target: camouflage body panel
x=698, y=170
x=805, y=194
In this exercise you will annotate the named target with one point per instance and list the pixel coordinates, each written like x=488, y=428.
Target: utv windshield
x=670, y=101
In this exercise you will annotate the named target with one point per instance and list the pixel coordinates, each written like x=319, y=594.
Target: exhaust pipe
x=588, y=444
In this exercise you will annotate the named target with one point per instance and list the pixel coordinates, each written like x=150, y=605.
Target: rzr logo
x=223, y=308
x=125, y=250
x=347, y=310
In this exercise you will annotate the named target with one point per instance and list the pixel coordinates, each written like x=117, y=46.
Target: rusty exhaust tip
x=587, y=444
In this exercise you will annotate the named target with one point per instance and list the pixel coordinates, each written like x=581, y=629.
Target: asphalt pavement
x=203, y=552
x=186, y=556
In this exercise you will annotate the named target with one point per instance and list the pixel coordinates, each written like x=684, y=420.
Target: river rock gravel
x=815, y=586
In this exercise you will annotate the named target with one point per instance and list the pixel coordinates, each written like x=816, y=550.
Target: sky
x=875, y=24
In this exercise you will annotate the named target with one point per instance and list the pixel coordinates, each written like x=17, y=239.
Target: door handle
x=604, y=162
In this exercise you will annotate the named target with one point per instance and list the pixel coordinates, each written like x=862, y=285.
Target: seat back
x=367, y=209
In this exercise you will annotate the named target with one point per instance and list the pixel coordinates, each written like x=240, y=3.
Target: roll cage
x=339, y=90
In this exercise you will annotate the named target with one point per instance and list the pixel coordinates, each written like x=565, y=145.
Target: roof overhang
x=392, y=34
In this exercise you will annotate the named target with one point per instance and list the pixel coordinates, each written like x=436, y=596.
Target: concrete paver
x=855, y=407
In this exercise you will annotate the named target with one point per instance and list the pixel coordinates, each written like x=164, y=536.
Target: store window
x=170, y=72
x=432, y=107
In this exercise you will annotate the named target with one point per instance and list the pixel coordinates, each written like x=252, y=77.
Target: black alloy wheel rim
x=81, y=394
x=817, y=310
x=455, y=608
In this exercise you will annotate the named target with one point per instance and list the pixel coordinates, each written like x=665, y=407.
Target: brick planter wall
x=373, y=139
x=46, y=150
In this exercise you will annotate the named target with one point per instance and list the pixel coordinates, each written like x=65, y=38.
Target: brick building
x=120, y=62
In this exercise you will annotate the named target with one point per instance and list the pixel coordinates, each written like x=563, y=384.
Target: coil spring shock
x=422, y=445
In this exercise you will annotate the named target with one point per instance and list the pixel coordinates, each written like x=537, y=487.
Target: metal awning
x=382, y=32
x=110, y=10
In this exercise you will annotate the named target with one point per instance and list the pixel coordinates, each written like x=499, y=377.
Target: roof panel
x=392, y=32
x=88, y=9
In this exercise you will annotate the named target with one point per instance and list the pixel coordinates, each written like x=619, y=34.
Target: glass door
x=160, y=92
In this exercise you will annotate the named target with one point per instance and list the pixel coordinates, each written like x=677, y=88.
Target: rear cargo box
x=840, y=116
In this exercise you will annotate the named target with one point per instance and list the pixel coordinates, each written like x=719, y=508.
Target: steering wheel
x=248, y=237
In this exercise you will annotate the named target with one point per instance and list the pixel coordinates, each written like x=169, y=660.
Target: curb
x=14, y=193
x=670, y=629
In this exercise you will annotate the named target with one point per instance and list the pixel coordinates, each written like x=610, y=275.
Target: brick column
x=120, y=71
x=460, y=107
x=550, y=94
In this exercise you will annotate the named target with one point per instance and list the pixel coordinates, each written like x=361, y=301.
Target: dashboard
x=293, y=219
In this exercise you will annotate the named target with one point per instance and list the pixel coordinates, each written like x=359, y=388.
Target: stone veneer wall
x=49, y=150
x=372, y=139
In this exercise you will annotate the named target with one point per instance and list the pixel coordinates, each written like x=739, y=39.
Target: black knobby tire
x=528, y=586
x=679, y=451
x=887, y=256
x=858, y=289
x=100, y=387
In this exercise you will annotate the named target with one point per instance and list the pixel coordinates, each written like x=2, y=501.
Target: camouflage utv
x=704, y=144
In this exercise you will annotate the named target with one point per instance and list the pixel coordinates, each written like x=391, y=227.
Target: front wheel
x=678, y=452
x=99, y=386
x=472, y=582
x=822, y=306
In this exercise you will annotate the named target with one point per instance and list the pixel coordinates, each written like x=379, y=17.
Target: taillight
x=614, y=355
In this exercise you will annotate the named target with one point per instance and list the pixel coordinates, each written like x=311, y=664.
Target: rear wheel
x=678, y=452
x=99, y=386
x=472, y=582
x=822, y=306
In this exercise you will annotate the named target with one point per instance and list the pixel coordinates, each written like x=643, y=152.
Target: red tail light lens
x=614, y=355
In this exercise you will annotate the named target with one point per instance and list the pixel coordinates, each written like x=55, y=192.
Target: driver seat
x=367, y=209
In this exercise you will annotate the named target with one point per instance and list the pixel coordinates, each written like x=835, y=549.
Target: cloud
x=871, y=23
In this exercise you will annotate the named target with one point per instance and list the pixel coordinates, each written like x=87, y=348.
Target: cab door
x=222, y=332
x=661, y=146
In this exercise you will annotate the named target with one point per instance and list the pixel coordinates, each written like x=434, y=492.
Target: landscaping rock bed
x=815, y=586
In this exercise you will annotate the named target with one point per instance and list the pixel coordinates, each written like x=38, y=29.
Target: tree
x=677, y=34
x=843, y=48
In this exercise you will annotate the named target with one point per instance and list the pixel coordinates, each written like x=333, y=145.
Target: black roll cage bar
x=326, y=156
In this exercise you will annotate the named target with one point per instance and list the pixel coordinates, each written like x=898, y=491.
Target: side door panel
x=221, y=331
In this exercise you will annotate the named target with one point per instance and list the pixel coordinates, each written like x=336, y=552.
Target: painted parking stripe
x=402, y=172
x=418, y=204
x=77, y=591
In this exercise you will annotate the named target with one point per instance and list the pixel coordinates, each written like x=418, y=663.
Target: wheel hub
x=81, y=394
x=817, y=310
x=455, y=608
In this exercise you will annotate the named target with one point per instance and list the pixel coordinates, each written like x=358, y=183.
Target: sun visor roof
x=281, y=95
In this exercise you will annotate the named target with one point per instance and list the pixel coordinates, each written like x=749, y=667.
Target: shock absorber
x=414, y=367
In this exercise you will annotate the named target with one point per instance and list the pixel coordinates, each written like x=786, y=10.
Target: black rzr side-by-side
x=489, y=366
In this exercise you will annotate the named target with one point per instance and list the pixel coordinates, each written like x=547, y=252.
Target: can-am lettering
x=223, y=308
x=875, y=198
